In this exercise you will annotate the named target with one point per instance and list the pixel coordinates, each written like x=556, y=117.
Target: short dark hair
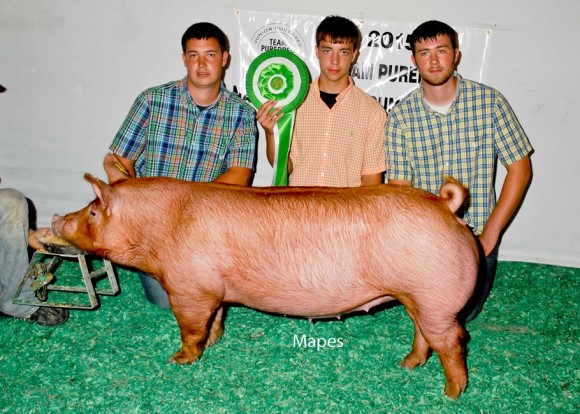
x=205, y=30
x=430, y=30
x=338, y=30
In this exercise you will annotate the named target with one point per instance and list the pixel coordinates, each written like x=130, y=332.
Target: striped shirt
x=424, y=146
x=168, y=135
x=334, y=147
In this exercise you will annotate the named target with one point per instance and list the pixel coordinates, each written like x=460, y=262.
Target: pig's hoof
x=453, y=389
x=413, y=361
x=183, y=358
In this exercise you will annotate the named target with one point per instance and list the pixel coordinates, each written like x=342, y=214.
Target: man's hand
x=267, y=116
x=34, y=236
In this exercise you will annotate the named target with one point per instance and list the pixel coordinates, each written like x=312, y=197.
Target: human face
x=335, y=61
x=436, y=60
x=205, y=62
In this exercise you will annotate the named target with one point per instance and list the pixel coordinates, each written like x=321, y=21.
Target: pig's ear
x=102, y=189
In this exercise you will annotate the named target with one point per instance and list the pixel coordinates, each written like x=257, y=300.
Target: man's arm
x=400, y=182
x=371, y=179
x=512, y=191
x=118, y=167
x=235, y=175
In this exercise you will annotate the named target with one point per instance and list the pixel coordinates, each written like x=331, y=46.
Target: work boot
x=47, y=316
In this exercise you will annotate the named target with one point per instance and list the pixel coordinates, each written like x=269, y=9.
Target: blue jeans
x=485, y=281
x=154, y=291
x=14, y=252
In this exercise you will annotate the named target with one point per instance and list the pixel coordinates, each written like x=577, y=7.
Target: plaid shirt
x=168, y=135
x=424, y=146
x=334, y=147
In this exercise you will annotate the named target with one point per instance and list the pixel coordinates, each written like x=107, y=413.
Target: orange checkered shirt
x=334, y=147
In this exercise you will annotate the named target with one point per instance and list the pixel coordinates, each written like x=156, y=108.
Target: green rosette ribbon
x=282, y=76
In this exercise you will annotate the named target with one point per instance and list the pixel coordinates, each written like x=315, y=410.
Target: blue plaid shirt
x=424, y=146
x=168, y=135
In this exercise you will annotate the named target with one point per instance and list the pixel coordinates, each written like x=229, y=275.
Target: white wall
x=73, y=68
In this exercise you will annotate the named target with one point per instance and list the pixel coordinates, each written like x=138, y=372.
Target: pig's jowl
x=309, y=252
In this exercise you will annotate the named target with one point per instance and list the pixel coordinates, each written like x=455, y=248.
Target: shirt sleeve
x=242, y=152
x=511, y=141
x=374, y=151
x=398, y=167
x=129, y=141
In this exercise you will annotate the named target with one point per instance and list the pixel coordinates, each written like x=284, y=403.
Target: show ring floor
x=522, y=358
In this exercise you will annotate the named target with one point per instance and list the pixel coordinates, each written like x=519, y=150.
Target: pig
x=300, y=251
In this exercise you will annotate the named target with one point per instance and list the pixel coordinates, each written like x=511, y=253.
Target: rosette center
x=276, y=82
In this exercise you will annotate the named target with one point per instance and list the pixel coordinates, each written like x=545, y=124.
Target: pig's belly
x=311, y=306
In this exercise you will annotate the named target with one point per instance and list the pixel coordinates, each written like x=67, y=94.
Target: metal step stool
x=42, y=278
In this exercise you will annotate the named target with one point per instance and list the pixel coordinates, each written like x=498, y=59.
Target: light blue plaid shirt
x=424, y=146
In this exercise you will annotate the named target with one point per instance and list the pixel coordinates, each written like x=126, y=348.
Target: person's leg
x=485, y=281
x=13, y=252
x=154, y=291
x=14, y=262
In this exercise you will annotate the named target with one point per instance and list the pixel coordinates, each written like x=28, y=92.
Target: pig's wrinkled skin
x=309, y=252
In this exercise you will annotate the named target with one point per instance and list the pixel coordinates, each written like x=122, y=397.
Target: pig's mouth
x=59, y=248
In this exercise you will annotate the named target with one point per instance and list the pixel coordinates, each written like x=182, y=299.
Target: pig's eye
x=92, y=213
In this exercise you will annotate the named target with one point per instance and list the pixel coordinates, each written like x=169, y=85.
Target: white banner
x=384, y=68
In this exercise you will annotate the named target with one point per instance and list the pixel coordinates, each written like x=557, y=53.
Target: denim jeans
x=485, y=281
x=154, y=291
x=14, y=252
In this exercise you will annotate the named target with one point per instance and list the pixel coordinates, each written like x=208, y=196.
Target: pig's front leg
x=194, y=316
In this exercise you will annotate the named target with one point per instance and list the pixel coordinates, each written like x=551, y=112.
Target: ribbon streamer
x=282, y=138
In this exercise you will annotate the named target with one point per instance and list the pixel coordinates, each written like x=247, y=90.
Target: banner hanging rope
x=282, y=76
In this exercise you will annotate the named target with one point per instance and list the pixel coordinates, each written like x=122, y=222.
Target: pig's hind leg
x=421, y=351
x=442, y=333
x=217, y=328
x=450, y=345
x=199, y=319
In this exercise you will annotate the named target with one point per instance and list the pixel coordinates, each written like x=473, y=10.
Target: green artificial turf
x=114, y=359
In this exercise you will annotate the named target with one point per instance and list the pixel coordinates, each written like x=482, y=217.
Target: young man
x=191, y=129
x=338, y=137
x=455, y=127
x=15, y=236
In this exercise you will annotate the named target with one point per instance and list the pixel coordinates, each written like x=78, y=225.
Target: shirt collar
x=186, y=97
x=457, y=92
x=341, y=95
